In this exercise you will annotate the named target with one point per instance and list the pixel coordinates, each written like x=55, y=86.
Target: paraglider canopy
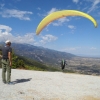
x=59, y=14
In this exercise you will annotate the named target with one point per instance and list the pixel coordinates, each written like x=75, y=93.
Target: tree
x=17, y=62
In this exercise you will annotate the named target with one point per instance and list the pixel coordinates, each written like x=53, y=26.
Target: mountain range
x=43, y=57
x=52, y=58
x=41, y=54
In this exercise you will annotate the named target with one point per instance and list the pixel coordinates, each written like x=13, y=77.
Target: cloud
x=93, y=48
x=29, y=38
x=71, y=27
x=68, y=49
x=6, y=28
x=6, y=35
x=94, y=5
x=2, y=5
x=84, y=8
x=75, y=1
x=60, y=21
x=71, y=49
x=22, y=15
x=39, y=8
x=51, y=11
x=47, y=13
x=47, y=38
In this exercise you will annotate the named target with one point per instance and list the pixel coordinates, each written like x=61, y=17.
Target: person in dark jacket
x=63, y=63
x=6, y=62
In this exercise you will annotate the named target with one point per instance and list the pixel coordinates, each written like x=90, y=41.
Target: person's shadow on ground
x=21, y=80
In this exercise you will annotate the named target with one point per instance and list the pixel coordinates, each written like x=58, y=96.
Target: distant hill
x=44, y=55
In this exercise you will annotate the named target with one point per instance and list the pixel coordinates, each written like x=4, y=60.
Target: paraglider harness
x=63, y=63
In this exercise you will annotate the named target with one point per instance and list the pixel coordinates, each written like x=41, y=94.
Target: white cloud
x=94, y=5
x=63, y=19
x=51, y=11
x=84, y=8
x=39, y=8
x=5, y=35
x=76, y=1
x=71, y=27
x=47, y=38
x=47, y=13
x=73, y=50
x=22, y=15
x=6, y=28
x=60, y=21
x=93, y=48
x=29, y=38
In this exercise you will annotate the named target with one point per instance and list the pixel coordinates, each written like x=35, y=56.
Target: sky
x=77, y=35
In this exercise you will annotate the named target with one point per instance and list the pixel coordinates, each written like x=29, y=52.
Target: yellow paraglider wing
x=59, y=14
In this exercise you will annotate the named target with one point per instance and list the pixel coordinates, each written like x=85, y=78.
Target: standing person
x=63, y=63
x=6, y=62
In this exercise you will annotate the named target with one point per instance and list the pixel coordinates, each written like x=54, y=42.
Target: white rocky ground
x=39, y=85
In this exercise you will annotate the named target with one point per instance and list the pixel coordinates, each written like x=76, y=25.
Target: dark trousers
x=63, y=66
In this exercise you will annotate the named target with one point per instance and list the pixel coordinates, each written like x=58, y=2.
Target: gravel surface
x=39, y=85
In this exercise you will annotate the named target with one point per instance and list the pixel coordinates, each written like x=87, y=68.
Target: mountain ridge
x=42, y=57
x=41, y=54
